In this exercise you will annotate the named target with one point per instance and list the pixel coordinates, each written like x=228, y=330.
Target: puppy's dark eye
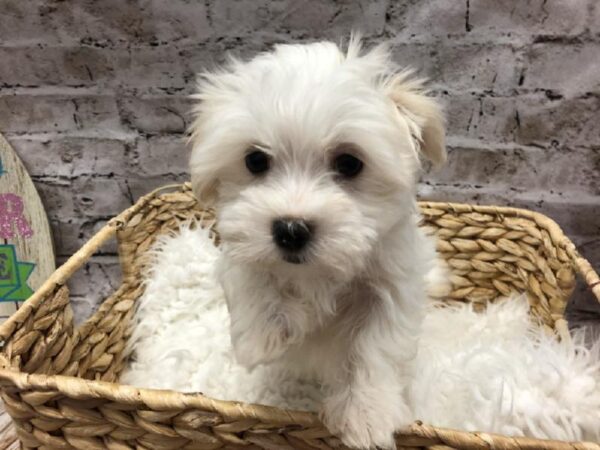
x=257, y=161
x=347, y=165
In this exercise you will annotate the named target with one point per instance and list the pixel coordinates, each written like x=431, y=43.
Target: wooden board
x=8, y=435
x=26, y=252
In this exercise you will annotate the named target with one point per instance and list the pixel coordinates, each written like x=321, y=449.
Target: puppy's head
x=311, y=155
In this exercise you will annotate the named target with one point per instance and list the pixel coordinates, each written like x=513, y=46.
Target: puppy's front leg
x=367, y=401
x=263, y=325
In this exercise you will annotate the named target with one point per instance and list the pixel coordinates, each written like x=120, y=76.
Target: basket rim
x=80, y=388
x=168, y=400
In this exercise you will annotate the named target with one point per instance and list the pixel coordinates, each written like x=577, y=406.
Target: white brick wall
x=93, y=96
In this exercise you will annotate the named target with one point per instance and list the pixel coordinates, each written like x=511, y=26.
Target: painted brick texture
x=94, y=97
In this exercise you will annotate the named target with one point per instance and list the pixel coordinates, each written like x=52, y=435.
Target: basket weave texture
x=60, y=383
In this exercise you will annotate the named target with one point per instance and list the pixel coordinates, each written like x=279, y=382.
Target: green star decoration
x=13, y=275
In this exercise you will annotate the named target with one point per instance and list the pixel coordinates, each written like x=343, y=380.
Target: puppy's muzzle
x=291, y=235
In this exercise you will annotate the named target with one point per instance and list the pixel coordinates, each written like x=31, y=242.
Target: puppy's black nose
x=291, y=235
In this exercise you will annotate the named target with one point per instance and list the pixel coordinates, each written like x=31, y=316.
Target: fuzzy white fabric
x=181, y=335
x=496, y=371
x=493, y=371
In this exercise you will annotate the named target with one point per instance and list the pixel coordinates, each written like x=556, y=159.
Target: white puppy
x=310, y=156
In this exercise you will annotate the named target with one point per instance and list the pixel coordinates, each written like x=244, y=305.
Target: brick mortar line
x=453, y=140
x=48, y=179
x=469, y=38
x=120, y=93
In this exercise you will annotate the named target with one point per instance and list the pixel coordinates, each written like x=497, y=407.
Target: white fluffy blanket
x=492, y=371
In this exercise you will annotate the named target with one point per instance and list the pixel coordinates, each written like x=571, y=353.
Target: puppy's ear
x=206, y=158
x=203, y=162
x=411, y=100
x=205, y=189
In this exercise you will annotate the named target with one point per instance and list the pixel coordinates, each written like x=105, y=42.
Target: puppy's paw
x=262, y=343
x=246, y=353
x=364, y=423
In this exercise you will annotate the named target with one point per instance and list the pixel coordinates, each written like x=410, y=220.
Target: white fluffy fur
x=492, y=371
x=350, y=314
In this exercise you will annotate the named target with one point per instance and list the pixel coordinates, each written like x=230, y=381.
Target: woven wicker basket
x=60, y=383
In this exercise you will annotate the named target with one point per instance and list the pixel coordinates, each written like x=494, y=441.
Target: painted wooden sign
x=26, y=252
